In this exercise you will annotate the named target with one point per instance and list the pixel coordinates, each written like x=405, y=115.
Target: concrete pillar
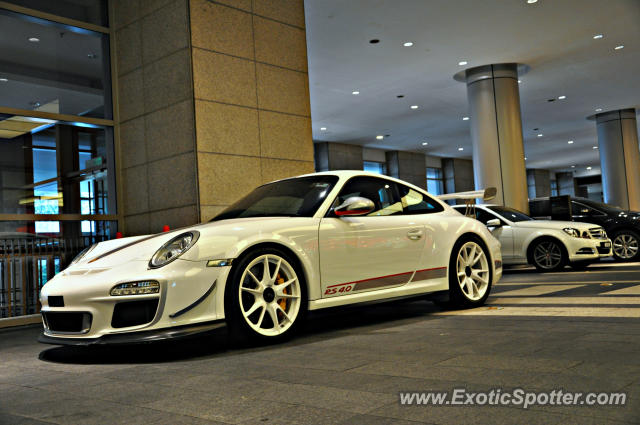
x=566, y=184
x=330, y=156
x=496, y=133
x=407, y=166
x=213, y=100
x=619, y=158
x=457, y=174
x=539, y=183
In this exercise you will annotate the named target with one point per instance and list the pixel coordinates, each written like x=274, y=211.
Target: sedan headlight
x=173, y=249
x=572, y=232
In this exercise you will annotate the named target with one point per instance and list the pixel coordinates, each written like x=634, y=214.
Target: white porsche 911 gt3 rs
x=304, y=243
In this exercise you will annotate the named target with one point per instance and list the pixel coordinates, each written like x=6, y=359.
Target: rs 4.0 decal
x=341, y=290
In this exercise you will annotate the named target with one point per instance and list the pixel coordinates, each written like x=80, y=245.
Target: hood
x=215, y=239
x=553, y=224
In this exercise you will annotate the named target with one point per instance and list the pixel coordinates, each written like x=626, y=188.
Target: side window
x=483, y=216
x=380, y=191
x=581, y=210
x=414, y=202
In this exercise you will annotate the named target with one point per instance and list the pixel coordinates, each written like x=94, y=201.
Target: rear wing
x=470, y=197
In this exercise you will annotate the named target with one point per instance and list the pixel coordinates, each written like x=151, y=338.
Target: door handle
x=414, y=235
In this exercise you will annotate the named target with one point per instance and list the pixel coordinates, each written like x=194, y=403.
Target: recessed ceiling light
x=461, y=63
x=598, y=36
x=323, y=128
x=595, y=147
x=425, y=143
x=573, y=166
x=540, y=135
x=570, y=142
x=519, y=81
x=525, y=158
x=618, y=47
x=563, y=97
x=532, y=1
x=36, y=39
x=400, y=96
x=414, y=106
x=92, y=56
x=465, y=118
x=356, y=92
x=460, y=149
x=598, y=109
x=380, y=137
x=3, y=80
x=408, y=44
x=588, y=168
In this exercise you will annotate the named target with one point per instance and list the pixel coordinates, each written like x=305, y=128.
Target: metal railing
x=26, y=264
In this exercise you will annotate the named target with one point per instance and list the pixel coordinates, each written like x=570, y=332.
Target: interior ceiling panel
x=553, y=37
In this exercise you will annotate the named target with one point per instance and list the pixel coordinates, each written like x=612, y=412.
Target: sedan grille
x=598, y=233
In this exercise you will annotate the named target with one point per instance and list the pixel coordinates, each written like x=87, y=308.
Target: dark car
x=622, y=227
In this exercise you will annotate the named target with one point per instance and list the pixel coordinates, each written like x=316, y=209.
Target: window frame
x=330, y=211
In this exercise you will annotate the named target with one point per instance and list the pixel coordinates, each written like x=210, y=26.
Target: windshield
x=297, y=197
x=511, y=214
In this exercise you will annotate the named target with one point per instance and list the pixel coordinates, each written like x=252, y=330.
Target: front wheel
x=266, y=297
x=626, y=245
x=469, y=274
x=548, y=255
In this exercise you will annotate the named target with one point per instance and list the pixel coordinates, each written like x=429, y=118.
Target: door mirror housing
x=494, y=222
x=354, y=206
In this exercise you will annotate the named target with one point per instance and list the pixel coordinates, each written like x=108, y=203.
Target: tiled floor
x=573, y=331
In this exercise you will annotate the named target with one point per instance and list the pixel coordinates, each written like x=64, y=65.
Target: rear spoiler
x=486, y=195
x=470, y=198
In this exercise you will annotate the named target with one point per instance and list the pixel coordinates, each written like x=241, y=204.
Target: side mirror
x=494, y=223
x=354, y=205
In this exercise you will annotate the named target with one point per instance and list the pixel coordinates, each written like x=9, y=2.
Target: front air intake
x=134, y=313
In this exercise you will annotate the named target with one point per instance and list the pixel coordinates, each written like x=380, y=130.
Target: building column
x=458, y=175
x=619, y=158
x=213, y=101
x=539, y=183
x=407, y=166
x=331, y=156
x=496, y=133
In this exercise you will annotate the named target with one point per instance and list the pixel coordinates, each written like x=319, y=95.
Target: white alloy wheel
x=625, y=246
x=473, y=271
x=269, y=295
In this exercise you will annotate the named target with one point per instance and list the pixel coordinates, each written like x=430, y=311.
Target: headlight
x=572, y=232
x=173, y=249
x=82, y=254
x=136, y=288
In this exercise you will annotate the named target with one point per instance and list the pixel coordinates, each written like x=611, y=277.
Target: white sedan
x=548, y=245
x=304, y=243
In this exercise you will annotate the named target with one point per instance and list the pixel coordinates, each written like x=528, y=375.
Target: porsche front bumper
x=78, y=308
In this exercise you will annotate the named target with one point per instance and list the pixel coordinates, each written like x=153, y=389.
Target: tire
x=470, y=273
x=548, y=255
x=626, y=244
x=255, y=300
x=580, y=265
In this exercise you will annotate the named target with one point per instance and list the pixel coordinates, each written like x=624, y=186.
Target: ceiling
x=553, y=37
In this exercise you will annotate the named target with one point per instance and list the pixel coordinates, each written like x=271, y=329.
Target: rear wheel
x=548, y=255
x=266, y=298
x=626, y=244
x=469, y=274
